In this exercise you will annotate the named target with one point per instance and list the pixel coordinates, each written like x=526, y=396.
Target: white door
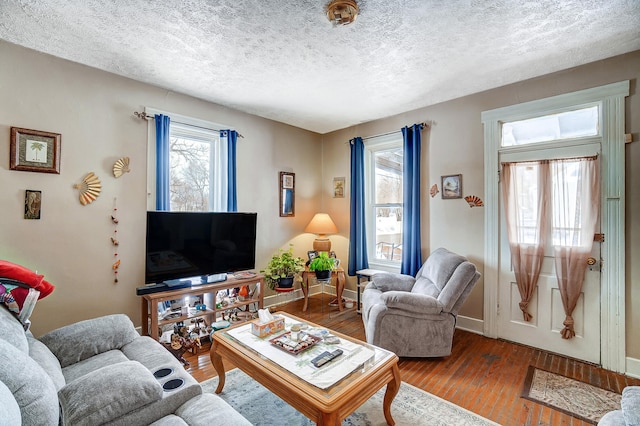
x=543, y=331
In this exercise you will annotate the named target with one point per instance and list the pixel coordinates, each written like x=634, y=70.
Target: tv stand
x=151, y=321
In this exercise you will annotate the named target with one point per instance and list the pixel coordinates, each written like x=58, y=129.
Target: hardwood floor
x=483, y=375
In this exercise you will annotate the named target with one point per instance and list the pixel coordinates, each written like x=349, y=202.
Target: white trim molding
x=611, y=99
x=633, y=367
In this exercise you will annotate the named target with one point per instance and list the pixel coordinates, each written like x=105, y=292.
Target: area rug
x=411, y=406
x=581, y=400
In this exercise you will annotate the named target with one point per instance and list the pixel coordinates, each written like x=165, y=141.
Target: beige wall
x=455, y=144
x=93, y=111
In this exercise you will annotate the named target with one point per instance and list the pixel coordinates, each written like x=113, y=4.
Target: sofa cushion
x=170, y=420
x=108, y=393
x=81, y=340
x=9, y=409
x=440, y=266
x=79, y=369
x=45, y=359
x=149, y=353
x=208, y=409
x=31, y=387
x=12, y=331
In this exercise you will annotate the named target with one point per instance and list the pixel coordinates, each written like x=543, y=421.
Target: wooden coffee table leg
x=216, y=361
x=330, y=419
x=392, y=390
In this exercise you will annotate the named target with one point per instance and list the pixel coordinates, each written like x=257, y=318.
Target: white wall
x=93, y=111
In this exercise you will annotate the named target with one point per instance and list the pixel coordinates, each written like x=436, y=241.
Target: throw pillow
x=28, y=277
x=18, y=299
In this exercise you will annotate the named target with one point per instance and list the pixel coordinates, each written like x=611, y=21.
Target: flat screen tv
x=196, y=246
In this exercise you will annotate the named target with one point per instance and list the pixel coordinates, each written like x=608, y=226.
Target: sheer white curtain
x=526, y=209
x=569, y=191
x=576, y=205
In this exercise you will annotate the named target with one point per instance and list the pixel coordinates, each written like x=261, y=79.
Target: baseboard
x=139, y=330
x=282, y=298
x=472, y=325
x=633, y=367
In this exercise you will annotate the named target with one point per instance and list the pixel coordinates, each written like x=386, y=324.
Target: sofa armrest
x=631, y=405
x=108, y=393
x=388, y=281
x=76, y=342
x=412, y=302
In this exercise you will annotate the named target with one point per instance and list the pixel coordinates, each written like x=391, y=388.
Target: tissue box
x=264, y=329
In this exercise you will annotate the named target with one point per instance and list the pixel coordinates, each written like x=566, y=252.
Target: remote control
x=326, y=357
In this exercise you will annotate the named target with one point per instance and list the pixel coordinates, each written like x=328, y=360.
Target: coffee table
x=324, y=406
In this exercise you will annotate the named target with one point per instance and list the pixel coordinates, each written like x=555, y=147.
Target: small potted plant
x=322, y=265
x=283, y=269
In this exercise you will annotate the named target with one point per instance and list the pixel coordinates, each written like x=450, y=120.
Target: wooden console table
x=151, y=322
x=341, y=280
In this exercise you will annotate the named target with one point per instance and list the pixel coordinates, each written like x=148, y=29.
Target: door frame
x=611, y=99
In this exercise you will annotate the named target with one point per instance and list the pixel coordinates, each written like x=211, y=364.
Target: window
x=198, y=166
x=197, y=169
x=566, y=125
x=384, y=160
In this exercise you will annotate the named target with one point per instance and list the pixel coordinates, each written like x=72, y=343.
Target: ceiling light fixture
x=342, y=12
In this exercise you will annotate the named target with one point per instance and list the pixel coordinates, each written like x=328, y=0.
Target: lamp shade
x=322, y=225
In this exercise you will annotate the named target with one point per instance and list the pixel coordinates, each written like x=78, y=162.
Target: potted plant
x=322, y=265
x=283, y=269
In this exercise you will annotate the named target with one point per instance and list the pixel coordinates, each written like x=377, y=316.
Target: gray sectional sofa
x=98, y=371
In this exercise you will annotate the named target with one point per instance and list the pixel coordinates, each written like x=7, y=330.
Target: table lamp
x=322, y=225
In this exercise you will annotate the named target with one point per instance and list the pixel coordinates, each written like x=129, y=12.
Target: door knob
x=593, y=264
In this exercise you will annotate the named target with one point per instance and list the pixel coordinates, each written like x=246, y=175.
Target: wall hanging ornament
x=89, y=188
x=473, y=201
x=114, y=240
x=121, y=167
x=434, y=190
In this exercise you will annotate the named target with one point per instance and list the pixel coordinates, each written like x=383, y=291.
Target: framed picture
x=34, y=151
x=312, y=254
x=338, y=187
x=287, y=194
x=32, y=204
x=452, y=186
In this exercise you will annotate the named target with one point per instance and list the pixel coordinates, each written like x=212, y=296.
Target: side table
x=341, y=280
x=368, y=273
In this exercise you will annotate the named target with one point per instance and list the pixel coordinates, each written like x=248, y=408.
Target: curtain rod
x=422, y=125
x=145, y=116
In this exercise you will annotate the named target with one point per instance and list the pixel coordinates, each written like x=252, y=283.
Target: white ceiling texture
x=284, y=60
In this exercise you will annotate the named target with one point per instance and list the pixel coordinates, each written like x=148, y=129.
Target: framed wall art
x=338, y=187
x=287, y=194
x=451, y=186
x=34, y=151
x=32, y=204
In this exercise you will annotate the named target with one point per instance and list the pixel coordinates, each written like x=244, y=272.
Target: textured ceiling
x=284, y=61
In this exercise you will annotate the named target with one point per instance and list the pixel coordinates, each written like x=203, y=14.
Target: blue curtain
x=232, y=197
x=358, y=258
x=411, y=244
x=163, y=194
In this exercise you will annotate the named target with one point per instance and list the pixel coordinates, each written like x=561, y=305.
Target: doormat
x=575, y=398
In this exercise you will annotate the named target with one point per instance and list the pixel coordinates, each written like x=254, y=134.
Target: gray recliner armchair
x=416, y=317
